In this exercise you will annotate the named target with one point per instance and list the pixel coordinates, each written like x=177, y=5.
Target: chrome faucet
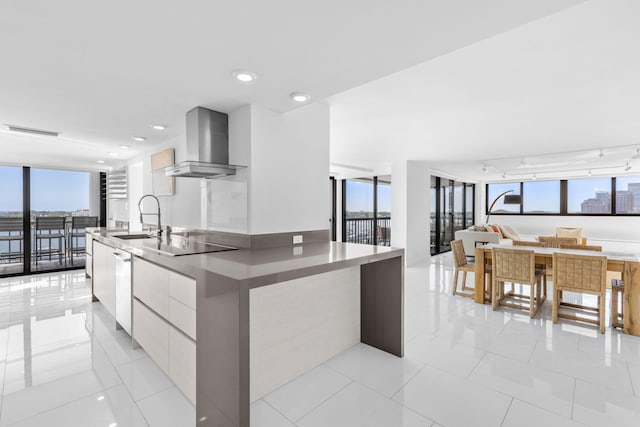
x=159, y=232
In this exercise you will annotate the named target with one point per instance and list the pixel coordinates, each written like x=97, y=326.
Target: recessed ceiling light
x=299, y=96
x=159, y=127
x=100, y=161
x=244, y=76
x=111, y=153
x=139, y=138
x=124, y=147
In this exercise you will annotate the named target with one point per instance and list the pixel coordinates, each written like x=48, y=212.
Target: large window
x=628, y=195
x=584, y=196
x=494, y=190
x=589, y=196
x=542, y=197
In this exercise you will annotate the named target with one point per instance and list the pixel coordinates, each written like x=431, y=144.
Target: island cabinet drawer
x=182, y=363
x=152, y=333
x=151, y=286
x=182, y=317
x=183, y=289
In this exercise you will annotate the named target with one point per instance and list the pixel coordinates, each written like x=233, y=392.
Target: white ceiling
x=565, y=83
x=101, y=72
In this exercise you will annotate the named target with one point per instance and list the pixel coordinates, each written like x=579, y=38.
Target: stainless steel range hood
x=207, y=146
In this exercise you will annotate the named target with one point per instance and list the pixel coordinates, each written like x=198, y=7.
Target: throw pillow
x=509, y=232
x=569, y=232
x=496, y=229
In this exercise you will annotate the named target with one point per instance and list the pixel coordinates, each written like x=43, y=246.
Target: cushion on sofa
x=509, y=232
x=569, y=232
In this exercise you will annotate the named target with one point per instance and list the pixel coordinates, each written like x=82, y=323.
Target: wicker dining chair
x=580, y=247
x=528, y=243
x=461, y=264
x=586, y=274
x=555, y=242
x=517, y=266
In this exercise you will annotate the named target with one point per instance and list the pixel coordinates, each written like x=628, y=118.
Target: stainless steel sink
x=132, y=236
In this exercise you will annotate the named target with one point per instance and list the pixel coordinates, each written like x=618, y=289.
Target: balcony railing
x=361, y=230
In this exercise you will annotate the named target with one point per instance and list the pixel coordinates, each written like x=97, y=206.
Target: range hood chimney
x=207, y=146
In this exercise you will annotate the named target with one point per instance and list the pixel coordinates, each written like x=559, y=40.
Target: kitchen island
x=266, y=315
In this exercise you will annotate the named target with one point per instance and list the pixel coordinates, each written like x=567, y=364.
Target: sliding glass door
x=43, y=214
x=12, y=235
x=366, y=210
x=451, y=210
x=59, y=198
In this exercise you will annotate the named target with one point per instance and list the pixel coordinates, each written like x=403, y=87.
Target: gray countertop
x=258, y=267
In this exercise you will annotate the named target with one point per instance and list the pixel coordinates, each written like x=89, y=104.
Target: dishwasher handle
x=121, y=257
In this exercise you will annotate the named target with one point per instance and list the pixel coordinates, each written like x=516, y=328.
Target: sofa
x=472, y=238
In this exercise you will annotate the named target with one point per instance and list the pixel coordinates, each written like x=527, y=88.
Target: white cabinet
x=182, y=363
x=152, y=333
x=183, y=317
x=104, y=276
x=151, y=286
x=164, y=321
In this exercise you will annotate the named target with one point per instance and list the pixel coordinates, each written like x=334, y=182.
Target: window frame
x=563, y=201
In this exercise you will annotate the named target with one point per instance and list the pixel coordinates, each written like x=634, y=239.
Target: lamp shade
x=512, y=199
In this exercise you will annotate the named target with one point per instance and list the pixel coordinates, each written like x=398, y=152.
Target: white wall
x=410, y=209
x=289, y=170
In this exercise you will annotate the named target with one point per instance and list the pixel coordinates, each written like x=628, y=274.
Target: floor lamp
x=515, y=199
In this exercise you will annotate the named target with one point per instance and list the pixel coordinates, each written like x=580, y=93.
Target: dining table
x=628, y=264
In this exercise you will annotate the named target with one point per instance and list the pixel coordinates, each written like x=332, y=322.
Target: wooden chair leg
x=489, y=283
x=614, y=306
x=455, y=283
x=464, y=280
x=494, y=297
x=532, y=300
x=556, y=303
x=601, y=303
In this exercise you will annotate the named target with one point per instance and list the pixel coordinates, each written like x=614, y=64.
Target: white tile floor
x=63, y=364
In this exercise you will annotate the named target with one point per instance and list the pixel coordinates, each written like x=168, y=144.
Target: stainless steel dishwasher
x=123, y=290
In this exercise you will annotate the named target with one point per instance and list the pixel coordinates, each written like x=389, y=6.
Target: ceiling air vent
x=32, y=131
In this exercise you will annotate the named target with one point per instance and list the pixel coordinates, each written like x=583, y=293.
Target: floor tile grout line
x=633, y=388
x=476, y=365
x=351, y=381
x=573, y=396
x=424, y=365
x=276, y=409
x=391, y=398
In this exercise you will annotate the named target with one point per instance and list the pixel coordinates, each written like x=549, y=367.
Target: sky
x=360, y=197
x=51, y=190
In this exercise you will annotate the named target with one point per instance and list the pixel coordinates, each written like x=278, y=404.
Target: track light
x=601, y=154
x=534, y=177
x=589, y=172
x=627, y=167
x=484, y=168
